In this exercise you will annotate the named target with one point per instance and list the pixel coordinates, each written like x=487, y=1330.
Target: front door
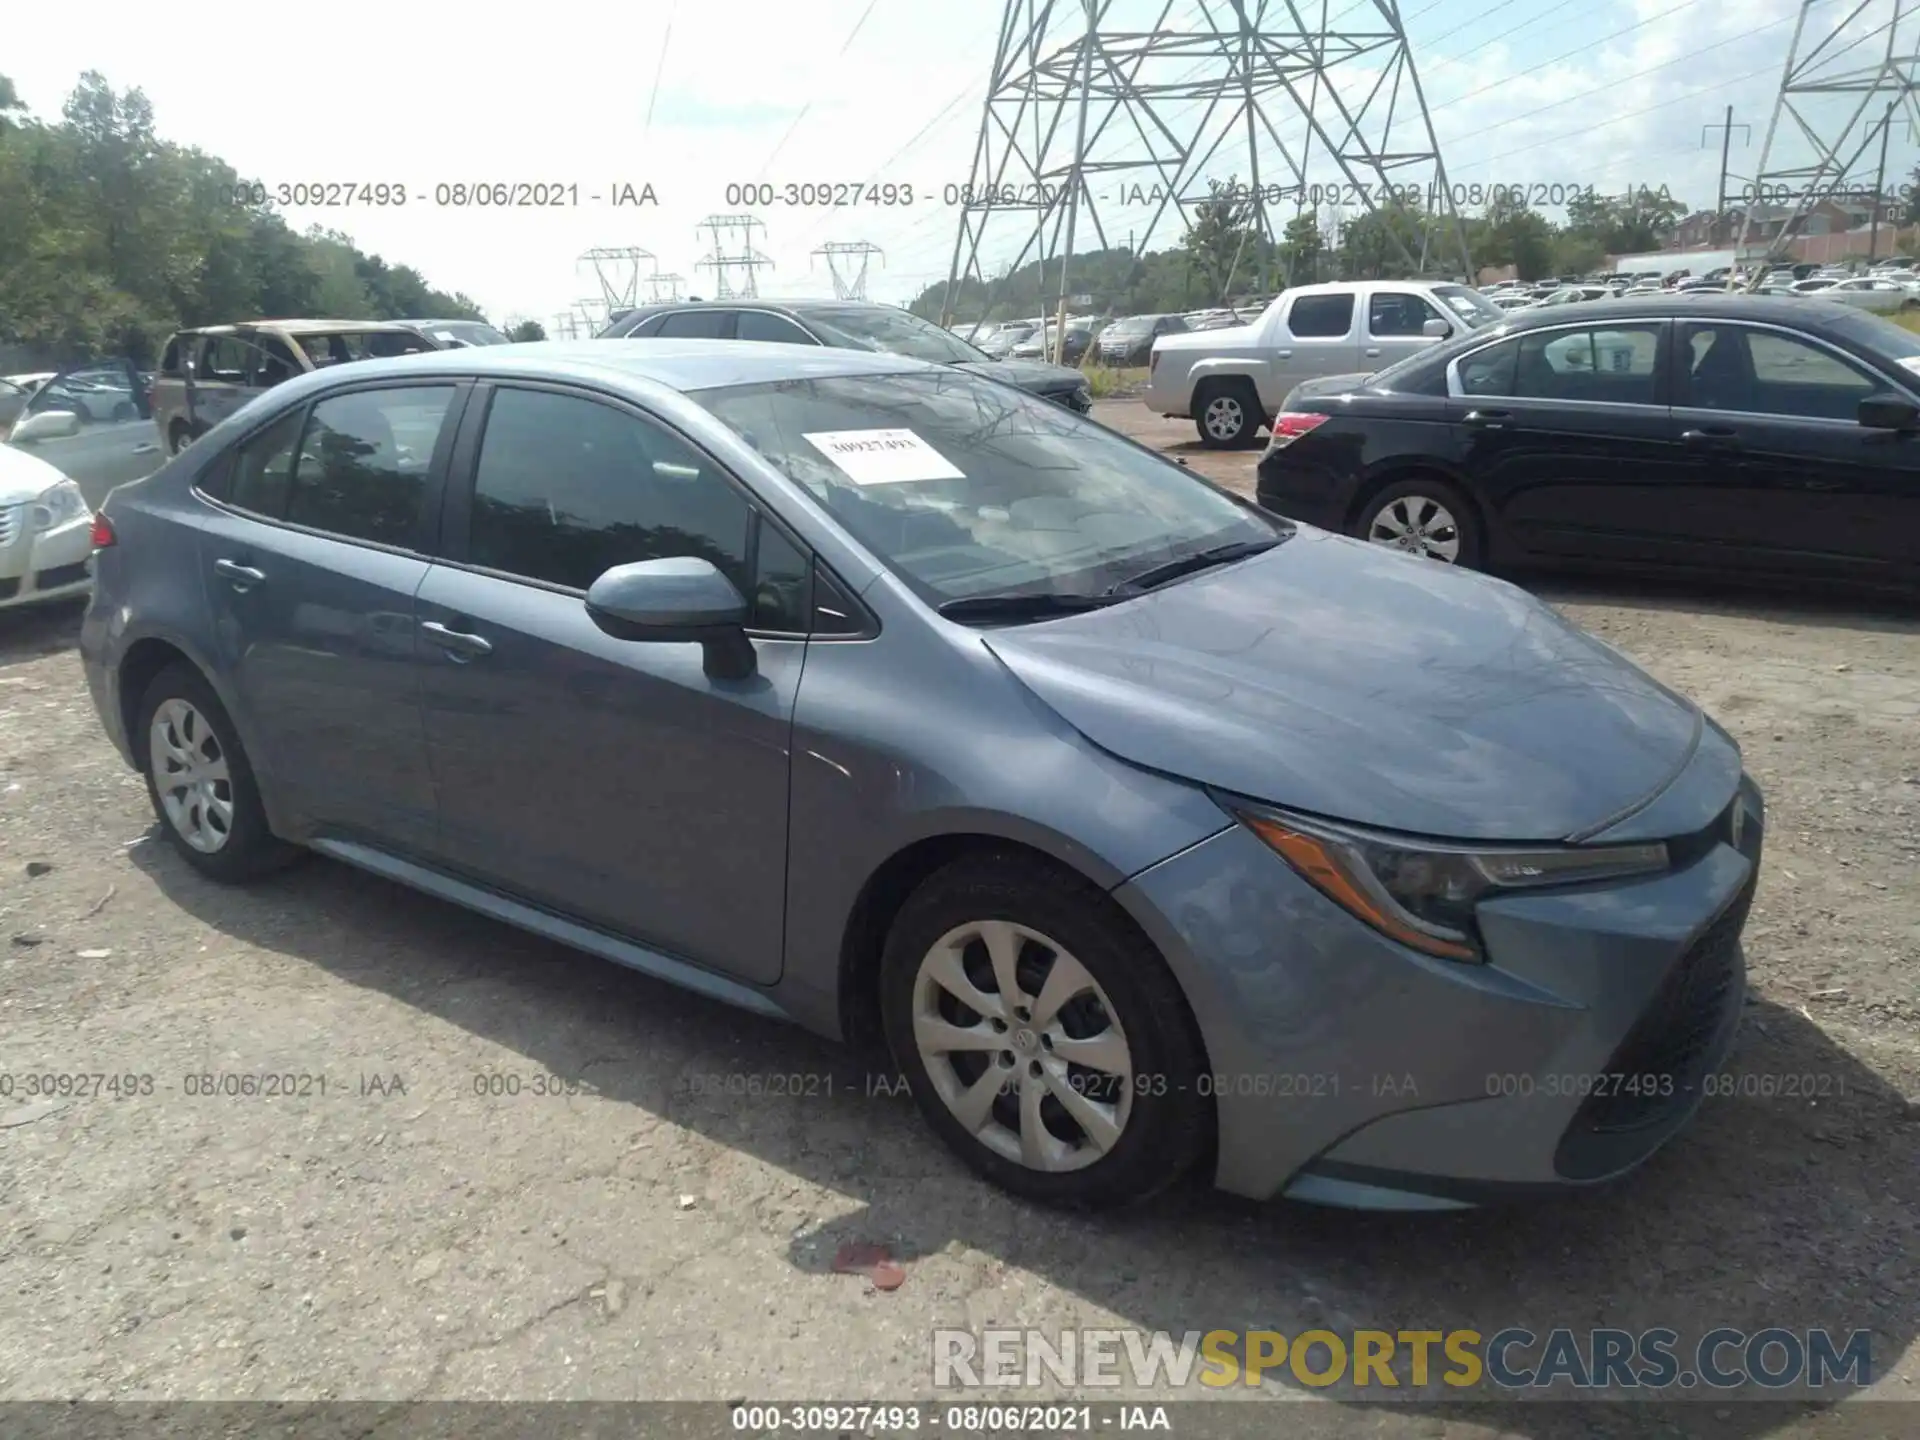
x=1794, y=481
x=1567, y=436
x=221, y=379
x=612, y=780
x=1396, y=328
x=310, y=561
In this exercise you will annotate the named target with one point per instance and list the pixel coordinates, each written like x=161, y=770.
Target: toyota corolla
x=1146, y=830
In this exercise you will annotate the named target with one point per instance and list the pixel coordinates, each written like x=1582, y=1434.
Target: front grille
x=60, y=575
x=10, y=522
x=1656, y=1072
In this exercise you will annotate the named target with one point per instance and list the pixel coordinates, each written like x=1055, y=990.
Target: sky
x=595, y=101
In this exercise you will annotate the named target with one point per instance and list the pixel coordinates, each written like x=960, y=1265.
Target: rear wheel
x=1042, y=1036
x=1423, y=516
x=1227, y=414
x=200, y=781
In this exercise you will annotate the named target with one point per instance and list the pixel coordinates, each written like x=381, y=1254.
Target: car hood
x=1040, y=376
x=1348, y=681
x=25, y=477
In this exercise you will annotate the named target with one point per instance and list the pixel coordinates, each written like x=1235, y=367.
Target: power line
x=659, y=70
x=806, y=108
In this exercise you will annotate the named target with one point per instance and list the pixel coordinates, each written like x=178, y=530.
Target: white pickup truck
x=1231, y=382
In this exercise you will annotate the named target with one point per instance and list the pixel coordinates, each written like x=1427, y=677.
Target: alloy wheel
x=1418, y=524
x=1023, y=1046
x=1225, y=417
x=191, y=776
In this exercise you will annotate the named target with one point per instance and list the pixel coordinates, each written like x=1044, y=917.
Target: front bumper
x=1349, y=1070
x=42, y=566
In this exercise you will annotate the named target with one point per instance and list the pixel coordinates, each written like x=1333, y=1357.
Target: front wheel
x=1423, y=516
x=1042, y=1036
x=1227, y=414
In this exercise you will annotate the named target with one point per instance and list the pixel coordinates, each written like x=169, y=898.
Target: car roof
x=302, y=327
x=684, y=365
x=1665, y=306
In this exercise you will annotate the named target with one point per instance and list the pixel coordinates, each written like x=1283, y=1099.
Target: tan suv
x=208, y=373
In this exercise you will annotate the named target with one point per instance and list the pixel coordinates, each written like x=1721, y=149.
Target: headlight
x=1423, y=894
x=58, y=504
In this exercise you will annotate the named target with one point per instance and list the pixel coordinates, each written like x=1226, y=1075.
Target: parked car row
x=1739, y=435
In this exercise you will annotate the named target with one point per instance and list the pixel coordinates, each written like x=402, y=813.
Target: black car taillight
x=103, y=535
x=1290, y=425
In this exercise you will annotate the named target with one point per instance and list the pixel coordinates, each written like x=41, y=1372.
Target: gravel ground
x=406, y=1235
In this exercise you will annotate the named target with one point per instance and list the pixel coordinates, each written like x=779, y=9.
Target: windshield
x=963, y=487
x=463, y=332
x=1469, y=305
x=893, y=332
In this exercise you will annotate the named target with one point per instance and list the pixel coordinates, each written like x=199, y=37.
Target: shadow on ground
x=1766, y=1212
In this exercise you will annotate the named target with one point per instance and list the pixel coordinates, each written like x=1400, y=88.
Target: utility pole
x=1726, y=129
x=1880, y=183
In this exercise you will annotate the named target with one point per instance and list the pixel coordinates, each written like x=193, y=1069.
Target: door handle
x=1487, y=419
x=1375, y=350
x=1284, y=354
x=457, y=643
x=242, y=577
x=1713, y=439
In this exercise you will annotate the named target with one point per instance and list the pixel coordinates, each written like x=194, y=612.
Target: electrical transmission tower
x=1084, y=118
x=619, y=272
x=662, y=287
x=566, y=326
x=725, y=260
x=848, y=252
x=1850, y=76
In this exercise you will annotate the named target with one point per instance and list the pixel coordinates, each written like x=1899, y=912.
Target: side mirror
x=47, y=425
x=1436, y=329
x=1887, y=412
x=681, y=600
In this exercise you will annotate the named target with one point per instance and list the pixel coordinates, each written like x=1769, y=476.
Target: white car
x=1872, y=292
x=1231, y=381
x=46, y=533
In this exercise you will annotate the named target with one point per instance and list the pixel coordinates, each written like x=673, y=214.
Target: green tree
x=1301, y=246
x=528, y=330
x=1511, y=234
x=1223, y=244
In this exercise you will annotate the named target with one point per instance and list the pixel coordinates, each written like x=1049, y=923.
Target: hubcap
x=190, y=772
x=1022, y=1046
x=1224, y=417
x=1420, y=525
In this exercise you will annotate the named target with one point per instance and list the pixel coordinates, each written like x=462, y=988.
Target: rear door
x=764, y=325
x=1565, y=432
x=221, y=380
x=1777, y=455
x=1316, y=334
x=311, y=555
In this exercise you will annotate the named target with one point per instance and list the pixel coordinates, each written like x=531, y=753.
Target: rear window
x=1321, y=316
x=340, y=347
x=170, y=361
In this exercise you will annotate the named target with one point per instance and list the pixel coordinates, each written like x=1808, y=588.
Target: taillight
x=103, y=535
x=1153, y=362
x=1290, y=425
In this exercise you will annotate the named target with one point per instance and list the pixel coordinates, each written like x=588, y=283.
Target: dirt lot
x=404, y=1235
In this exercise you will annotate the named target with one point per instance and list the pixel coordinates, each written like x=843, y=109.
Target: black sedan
x=846, y=325
x=1731, y=434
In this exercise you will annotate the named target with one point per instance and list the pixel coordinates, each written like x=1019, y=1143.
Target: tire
x=1227, y=414
x=178, y=436
x=1907, y=307
x=125, y=411
x=180, y=698
x=1162, y=1122
x=1421, y=506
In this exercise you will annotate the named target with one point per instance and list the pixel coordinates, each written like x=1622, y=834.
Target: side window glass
x=694, y=325
x=1614, y=364
x=1490, y=371
x=362, y=469
x=758, y=325
x=225, y=361
x=263, y=470
x=780, y=589
x=1391, y=313
x=1766, y=373
x=273, y=362
x=170, y=362
x=834, y=611
x=1321, y=317
x=567, y=488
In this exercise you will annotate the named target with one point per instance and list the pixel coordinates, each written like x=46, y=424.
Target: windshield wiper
x=1188, y=564
x=1035, y=606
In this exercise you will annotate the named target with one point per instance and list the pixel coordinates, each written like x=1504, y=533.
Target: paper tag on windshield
x=882, y=457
